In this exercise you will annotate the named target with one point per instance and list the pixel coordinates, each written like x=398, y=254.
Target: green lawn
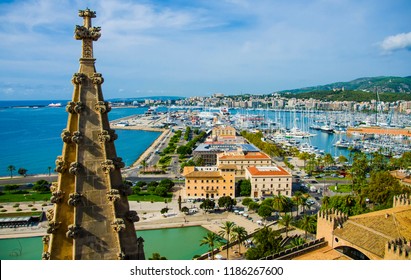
x=29, y=197
x=341, y=188
x=149, y=197
x=34, y=196
x=19, y=214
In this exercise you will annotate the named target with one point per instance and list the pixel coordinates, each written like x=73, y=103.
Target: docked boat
x=54, y=105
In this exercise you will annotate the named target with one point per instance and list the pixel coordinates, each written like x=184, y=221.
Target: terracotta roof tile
x=267, y=171
x=248, y=156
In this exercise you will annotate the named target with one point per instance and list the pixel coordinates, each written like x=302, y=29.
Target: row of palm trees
x=229, y=231
x=267, y=241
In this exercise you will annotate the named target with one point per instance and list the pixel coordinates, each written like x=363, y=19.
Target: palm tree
x=280, y=203
x=11, y=168
x=296, y=242
x=239, y=234
x=299, y=199
x=144, y=164
x=211, y=240
x=285, y=221
x=326, y=201
x=225, y=232
x=307, y=223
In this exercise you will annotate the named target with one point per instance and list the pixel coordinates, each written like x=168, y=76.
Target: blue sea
x=30, y=135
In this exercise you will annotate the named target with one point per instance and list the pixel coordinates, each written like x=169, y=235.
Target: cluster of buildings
x=226, y=163
x=276, y=101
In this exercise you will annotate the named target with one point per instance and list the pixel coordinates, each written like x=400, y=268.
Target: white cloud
x=397, y=42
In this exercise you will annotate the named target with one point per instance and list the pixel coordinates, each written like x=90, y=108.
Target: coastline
x=151, y=148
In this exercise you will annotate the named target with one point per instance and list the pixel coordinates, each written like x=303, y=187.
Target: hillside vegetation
x=369, y=84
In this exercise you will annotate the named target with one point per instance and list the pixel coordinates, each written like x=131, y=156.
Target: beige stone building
x=242, y=160
x=209, y=182
x=223, y=130
x=384, y=234
x=268, y=181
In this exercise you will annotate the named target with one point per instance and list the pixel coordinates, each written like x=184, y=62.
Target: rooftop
x=243, y=156
x=267, y=171
x=373, y=230
x=221, y=147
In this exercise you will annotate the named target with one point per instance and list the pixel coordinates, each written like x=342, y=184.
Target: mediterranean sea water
x=173, y=243
x=30, y=135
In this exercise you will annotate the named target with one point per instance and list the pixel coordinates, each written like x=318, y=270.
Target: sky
x=201, y=47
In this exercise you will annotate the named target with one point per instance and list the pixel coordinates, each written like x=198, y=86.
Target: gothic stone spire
x=91, y=218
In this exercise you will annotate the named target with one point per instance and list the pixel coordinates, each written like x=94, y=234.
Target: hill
x=368, y=84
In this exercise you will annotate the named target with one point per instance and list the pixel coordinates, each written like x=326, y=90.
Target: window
x=195, y=181
x=188, y=188
x=195, y=188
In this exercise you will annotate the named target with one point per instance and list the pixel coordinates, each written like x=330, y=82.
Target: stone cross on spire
x=87, y=33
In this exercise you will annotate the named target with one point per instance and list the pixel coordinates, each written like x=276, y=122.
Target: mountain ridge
x=384, y=84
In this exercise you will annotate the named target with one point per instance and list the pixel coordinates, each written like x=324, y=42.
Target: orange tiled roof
x=274, y=171
x=249, y=156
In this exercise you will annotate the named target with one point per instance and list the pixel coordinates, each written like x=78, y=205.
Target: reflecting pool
x=172, y=243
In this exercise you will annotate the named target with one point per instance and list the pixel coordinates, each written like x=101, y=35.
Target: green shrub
x=18, y=210
x=3, y=210
x=33, y=209
x=16, y=205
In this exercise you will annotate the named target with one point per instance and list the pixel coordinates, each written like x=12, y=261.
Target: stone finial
x=97, y=79
x=104, y=136
x=75, y=168
x=132, y=216
x=76, y=138
x=118, y=225
x=50, y=214
x=57, y=196
x=125, y=190
x=107, y=166
x=53, y=226
x=102, y=107
x=86, y=13
x=118, y=162
x=82, y=33
x=113, y=195
x=73, y=231
x=78, y=78
x=53, y=187
x=46, y=239
x=45, y=256
x=61, y=165
x=121, y=256
x=66, y=136
x=74, y=199
x=74, y=107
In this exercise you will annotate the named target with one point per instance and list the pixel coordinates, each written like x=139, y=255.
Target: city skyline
x=186, y=48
